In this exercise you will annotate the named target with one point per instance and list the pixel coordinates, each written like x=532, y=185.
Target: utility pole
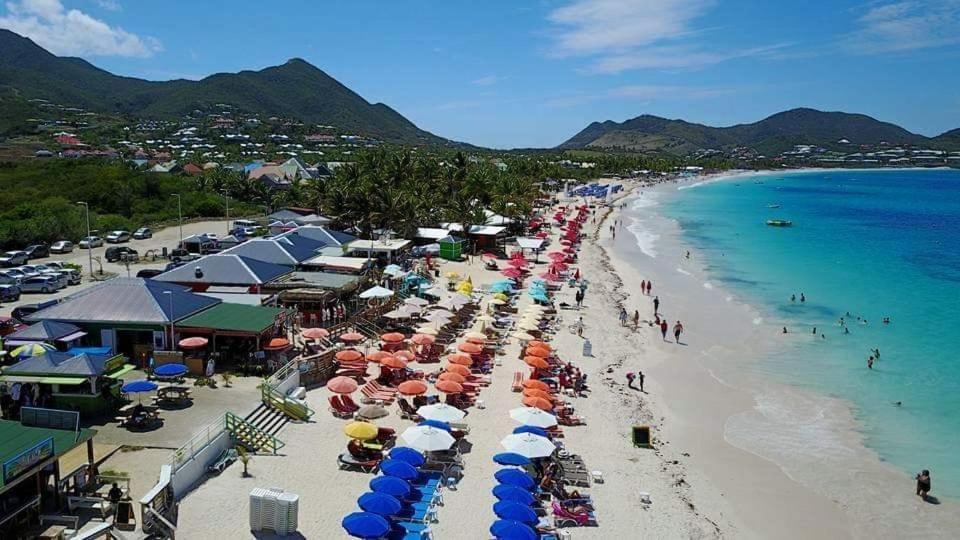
x=226, y=199
x=172, y=345
x=179, y=217
x=86, y=207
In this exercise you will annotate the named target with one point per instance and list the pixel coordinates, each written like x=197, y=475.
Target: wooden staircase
x=248, y=431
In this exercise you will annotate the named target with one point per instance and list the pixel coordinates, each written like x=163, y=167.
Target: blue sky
x=506, y=73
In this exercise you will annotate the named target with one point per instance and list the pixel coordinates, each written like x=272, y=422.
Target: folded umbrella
x=531, y=429
x=437, y=424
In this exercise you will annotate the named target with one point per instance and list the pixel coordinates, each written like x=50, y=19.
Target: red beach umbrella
x=451, y=376
x=342, y=385
x=193, y=342
x=405, y=355
x=461, y=359
x=315, y=333
x=539, y=403
x=449, y=387
x=277, y=344
x=393, y=337
x=394, y=362
x=412, y=387
x=348, y=355
x=351, y=337
x=378, y=356
x=423, y=339
x=470, y=348
x=533, y=392
x=536, y=344
x=461, y=370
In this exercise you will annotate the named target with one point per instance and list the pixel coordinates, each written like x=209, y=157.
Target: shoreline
x=769, y=496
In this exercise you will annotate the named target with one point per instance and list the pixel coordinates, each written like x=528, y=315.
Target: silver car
x=63, y=246
x=61, y=278
x=91, y=242
x=40, y=284
x=14, y=273
x=13, y=258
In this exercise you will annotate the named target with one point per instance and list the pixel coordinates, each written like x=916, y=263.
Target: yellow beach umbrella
x=33, y=349
x=500, y=296
x=452, y=275
x=363, y=431
x=496, y=302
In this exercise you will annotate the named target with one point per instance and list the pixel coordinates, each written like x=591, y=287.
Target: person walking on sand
x=580, y=327
x=630, y=378
x=663, y=328
x=636, y=319
x=623, y=317
x=677, y=330
x=649, y=287
x=923, y=484
x=643, y=286
x=656, y=304
x=640, y=378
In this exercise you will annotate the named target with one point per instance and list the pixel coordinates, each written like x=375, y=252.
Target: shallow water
x=872, y=243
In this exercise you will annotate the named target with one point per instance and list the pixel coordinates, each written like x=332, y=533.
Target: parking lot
x=162, y=238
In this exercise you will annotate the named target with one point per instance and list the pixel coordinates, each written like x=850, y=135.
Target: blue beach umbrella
x=437, y=424
x=516, y=512
x=399, y=469
x=411, y=456
x=391, y=485
x=509, y=458
x=506, y=492
x=365, y=525
x=515, y=477
x=379, y=503
x=170, y=370
x=531, y=429
x=136, y=387
x=505, y=529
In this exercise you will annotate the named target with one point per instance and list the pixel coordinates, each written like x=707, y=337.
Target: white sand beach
x=700, y=485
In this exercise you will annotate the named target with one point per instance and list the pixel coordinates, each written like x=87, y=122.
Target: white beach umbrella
x=398, y=314
x=441, y=311
x=441, y=412
x=427, y=438
x=429, y=330
x=460, y=300
x=376, y=292
x=527, y=325
x=522, y=336
x=485, y=318
x=532, y=416
x=434, y=291
x=415, y=301
x=528, y=445
x=436, y=318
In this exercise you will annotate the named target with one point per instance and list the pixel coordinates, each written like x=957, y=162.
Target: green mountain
x=295, y=89
x=770, y=136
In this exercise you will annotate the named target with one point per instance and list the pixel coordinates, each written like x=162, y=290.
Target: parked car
x=37, y=251
x=71, y=276
x=13, y=273
x=91, y=242
x=32, y=269
x=60, y=279
x=118, y=237
x=142, y=233
x=41, y=284
x=13, y=258
x=9, y=293
x=148, y=273
x=61, y=246
x=8, y=279
x=119, y=253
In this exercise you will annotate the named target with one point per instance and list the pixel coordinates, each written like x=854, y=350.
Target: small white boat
x=773, y=206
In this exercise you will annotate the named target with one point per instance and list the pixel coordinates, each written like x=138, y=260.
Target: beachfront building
x=236, y=333
x=230, y=270
x=75, y=380
x=288, y=250
x=33, y=476
x=58, y=334
x=132, y=316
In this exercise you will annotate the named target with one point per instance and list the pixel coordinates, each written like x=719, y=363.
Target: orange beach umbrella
x=315, y=333
x=342, y=385
x=451, y=376
x=351, y=337
x=536, y=384
x=461, y=359
x=348, y=355
x=458, y=369
x=412, y=387
x=393, y=337
x=540, y=403
x=536, y=361
x=537, y=351
x=449, y=387
x=405, y=355
x=394, y=362
x=379, y=356
x=470, y=348
x=533, y=392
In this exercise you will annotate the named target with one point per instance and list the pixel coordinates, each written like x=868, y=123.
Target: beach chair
x=348, y=462
x=407, y=411
x=566, y=518
x=517, y=382
x=408, y=530
x=225, y=458
x=417, y=513
x=337, y=408
x=348, y=403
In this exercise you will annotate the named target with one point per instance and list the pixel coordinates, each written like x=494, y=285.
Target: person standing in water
x=803, y=298
x=677, y=330
x=870, y=362
x=663, y=328
x=656, y=304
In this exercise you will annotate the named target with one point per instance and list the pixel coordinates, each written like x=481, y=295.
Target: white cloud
x=110, y=5
x=72, y=32
x=623, y=35
x=489, y=80
x=906, y=26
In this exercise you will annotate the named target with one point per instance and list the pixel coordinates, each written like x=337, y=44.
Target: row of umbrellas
x=385, y=498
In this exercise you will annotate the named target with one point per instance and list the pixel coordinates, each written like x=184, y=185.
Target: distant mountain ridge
x=295, y=89
x=772, y=135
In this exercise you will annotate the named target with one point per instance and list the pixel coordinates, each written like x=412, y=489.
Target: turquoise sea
x=876, y=244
